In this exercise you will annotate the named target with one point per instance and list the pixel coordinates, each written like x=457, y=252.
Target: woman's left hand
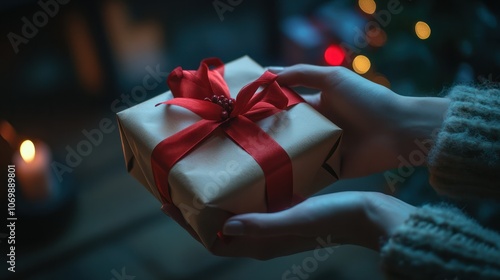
x=360, y=218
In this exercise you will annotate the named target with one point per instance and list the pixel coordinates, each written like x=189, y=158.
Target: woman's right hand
x=379, y=125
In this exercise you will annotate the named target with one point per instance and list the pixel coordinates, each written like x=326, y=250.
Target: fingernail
x=275, y=69
x=233, y=228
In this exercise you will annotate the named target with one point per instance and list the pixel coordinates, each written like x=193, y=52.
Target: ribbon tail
x=169, y=151
x=271, y=157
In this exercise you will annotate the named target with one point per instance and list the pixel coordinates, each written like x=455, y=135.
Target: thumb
x=262, y=224
x=311, y=76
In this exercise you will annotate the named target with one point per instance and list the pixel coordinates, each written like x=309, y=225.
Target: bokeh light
x=361, y=64
x=27, y=151
x=422, y=30
x=334, y=55
x=367, y=6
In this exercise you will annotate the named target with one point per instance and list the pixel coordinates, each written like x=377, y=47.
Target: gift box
x=226, y=140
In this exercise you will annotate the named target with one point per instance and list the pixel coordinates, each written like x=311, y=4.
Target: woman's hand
x=359, y=218
x=379, y=125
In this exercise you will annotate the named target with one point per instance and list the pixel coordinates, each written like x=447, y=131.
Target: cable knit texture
x=440, y=242
x=465, y=159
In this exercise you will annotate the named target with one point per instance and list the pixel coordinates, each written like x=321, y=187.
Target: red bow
x=205, y=93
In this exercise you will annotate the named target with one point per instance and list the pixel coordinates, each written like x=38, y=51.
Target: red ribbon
x=189, y=89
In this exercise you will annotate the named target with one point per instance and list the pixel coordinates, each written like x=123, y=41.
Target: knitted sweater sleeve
x=440, y=242
x=465, y=158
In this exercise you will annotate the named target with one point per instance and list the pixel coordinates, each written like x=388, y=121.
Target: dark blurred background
x=67, y=66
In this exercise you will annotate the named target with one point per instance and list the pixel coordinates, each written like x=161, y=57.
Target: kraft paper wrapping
x=219, y=179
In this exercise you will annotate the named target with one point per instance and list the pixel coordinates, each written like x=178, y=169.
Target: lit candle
x=33, y=170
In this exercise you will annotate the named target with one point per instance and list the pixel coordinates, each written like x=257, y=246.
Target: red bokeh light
x=334, y=55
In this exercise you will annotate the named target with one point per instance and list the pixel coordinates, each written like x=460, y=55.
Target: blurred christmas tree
x=414, y=47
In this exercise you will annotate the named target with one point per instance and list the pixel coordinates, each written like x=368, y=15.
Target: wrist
x=385, y=214
x=419, y=121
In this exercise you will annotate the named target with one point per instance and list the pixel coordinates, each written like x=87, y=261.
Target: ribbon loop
x=243, y=103
x=201, y=83
x=204, y=109
x=190, y=88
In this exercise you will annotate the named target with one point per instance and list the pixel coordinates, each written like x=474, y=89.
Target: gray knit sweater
x=440, y=242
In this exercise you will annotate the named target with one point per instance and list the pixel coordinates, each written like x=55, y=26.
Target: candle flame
x=27, y=151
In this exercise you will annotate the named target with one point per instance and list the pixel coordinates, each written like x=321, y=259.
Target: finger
x=261, y=224
x=304, y=219
x=339, y=213
x=306, y=75
x=275, y=69
x=311, y=99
